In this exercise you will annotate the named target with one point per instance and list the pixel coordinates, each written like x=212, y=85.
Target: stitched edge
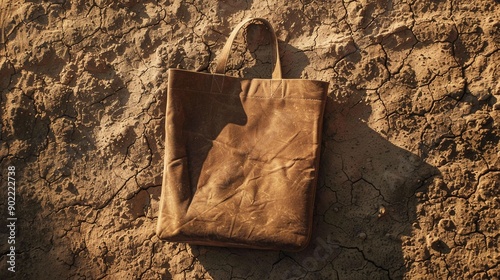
x=257, y=97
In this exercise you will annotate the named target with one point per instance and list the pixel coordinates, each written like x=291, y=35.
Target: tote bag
x=241, y=157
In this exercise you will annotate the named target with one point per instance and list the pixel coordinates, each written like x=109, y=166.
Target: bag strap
x=220, y=66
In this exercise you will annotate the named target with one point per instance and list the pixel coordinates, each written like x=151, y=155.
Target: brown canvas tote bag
x=241, y=157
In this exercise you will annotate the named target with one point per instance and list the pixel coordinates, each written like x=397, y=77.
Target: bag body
x=241, y=157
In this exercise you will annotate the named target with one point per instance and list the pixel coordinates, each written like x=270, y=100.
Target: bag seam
x=257, y=97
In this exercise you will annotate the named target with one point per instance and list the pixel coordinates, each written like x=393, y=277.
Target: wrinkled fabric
x=241, y=160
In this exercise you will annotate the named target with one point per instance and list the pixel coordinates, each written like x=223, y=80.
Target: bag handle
x=220, y=66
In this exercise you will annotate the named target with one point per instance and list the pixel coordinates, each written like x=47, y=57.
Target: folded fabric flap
x=257, y=88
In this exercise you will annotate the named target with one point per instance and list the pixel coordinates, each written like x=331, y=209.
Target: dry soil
x=409, y=183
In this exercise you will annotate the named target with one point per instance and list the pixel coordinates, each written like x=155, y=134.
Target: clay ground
x=409, y=180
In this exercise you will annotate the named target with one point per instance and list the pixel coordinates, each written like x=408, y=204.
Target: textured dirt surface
x=410, y=171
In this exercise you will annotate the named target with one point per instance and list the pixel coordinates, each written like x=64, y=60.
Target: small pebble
x=381, y=211
x=362, y=235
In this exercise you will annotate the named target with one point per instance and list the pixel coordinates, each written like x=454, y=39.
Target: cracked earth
x=409, y=184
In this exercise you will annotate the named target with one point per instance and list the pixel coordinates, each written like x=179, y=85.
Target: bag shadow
x=206, y=117
x=367, y=197
x=252, y=55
